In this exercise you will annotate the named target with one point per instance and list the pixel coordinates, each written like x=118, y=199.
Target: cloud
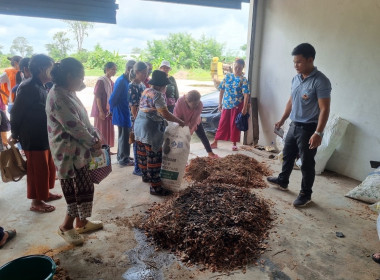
x=137, y=22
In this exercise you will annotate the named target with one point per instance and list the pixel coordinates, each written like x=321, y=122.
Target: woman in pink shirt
x=189, y=108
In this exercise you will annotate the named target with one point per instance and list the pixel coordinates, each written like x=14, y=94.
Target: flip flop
x=43, y=209
x=11, y=235
x=90, y=226
x=71, y=236
x=234, y=148
x=53, y=197
x=377, y=260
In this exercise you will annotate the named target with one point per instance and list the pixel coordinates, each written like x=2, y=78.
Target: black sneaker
x=302, y=200
x=274, y=180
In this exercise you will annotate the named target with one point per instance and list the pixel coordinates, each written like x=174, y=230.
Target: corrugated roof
x=81, y=10
x=232, y=4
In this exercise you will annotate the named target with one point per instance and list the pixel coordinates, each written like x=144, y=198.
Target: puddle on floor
x=146, y=263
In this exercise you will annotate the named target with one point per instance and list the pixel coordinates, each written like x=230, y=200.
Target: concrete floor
x=302, y=243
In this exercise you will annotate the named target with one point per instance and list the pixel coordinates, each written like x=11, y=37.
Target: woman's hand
x=244, y=111
x=220, y=107
x=102, y=116
x=10, y=139
x=97, y=146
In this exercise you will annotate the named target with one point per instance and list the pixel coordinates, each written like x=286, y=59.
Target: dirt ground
x=302, y=243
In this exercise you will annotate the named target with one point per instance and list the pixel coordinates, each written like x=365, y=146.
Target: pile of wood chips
x=219, y=226
x=239, y=170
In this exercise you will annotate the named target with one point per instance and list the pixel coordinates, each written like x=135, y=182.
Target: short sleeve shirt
x=305, y=94
x=135, y=91
x=234, y=89
x=151, y=100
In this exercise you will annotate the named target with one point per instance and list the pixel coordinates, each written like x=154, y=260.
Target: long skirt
x=150, y=164
x=227, y=129
x=106, y=130
x=79, y=194
x=40, y=174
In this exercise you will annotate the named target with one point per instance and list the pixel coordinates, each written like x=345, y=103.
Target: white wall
x=346, y=36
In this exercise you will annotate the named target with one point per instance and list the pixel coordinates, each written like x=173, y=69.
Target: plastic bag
x=175, y=152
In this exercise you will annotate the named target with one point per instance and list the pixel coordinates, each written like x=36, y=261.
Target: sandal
x=53, y=197
x=71, y=236
x=160, y=191
x=377, y=260
x=45, y=208
x=11, y=235
x=234, y=148
x=90, y=226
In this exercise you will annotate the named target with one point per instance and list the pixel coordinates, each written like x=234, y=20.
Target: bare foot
x=214, y=145
x=41, y=207
x=8, y=235
x=212, y=155
x=53, y=197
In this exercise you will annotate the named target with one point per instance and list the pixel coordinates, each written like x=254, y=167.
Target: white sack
x=175, y=152
x=334, y=131
x=369, y=189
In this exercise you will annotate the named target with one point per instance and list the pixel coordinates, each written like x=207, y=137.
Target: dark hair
x=138, y=66
x=304, y=49
x=62, y=69
x=24, y=63
x=193, y=95
x=109, y=65
x=14, y=59
x=240, y=61
x=39, y=62
x=18, y=78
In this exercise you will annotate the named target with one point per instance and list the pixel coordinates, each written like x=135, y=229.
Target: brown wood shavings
x=239, y=170
x=222, y=227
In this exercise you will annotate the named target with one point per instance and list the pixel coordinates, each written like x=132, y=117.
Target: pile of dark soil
x=220, y=226
x=239, y=170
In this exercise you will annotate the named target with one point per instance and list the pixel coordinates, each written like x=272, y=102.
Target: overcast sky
x=137, y=22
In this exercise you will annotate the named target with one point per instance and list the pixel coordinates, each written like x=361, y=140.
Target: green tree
x=99, y=57
x=20, y=46
x=205, y=49
x=80, y=30
x=60, y=46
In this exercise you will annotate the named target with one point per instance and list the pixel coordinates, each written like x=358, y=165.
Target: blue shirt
x=234, y=89
x=119, y=103
x=305, y=95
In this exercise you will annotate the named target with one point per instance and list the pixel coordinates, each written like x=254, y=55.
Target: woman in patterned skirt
x=72, y=141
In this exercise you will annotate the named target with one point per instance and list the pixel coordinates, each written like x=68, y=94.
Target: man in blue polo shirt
x=308, y=107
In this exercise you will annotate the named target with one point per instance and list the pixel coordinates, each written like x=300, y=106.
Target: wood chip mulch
x=219, y=226
x=239, y=170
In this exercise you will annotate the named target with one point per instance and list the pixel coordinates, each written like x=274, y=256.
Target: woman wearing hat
x=149, y=131
x=172, y=94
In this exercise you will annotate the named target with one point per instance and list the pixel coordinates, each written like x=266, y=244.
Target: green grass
x=199, y=74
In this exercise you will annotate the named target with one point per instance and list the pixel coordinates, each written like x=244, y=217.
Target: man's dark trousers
x=123, y=148
x=297, y=143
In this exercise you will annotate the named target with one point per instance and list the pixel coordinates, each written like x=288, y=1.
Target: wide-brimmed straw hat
x=159, y=78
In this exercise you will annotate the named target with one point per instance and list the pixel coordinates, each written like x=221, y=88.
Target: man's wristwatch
x=319, y=133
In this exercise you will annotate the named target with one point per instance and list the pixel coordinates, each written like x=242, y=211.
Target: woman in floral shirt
x=234, y=95
x=149, y=129
x=72, y=141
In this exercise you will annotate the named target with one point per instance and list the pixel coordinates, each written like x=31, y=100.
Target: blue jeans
x=297, y=143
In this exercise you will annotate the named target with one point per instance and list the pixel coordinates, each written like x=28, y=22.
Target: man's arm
x=324, y=107
x=285, y=116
